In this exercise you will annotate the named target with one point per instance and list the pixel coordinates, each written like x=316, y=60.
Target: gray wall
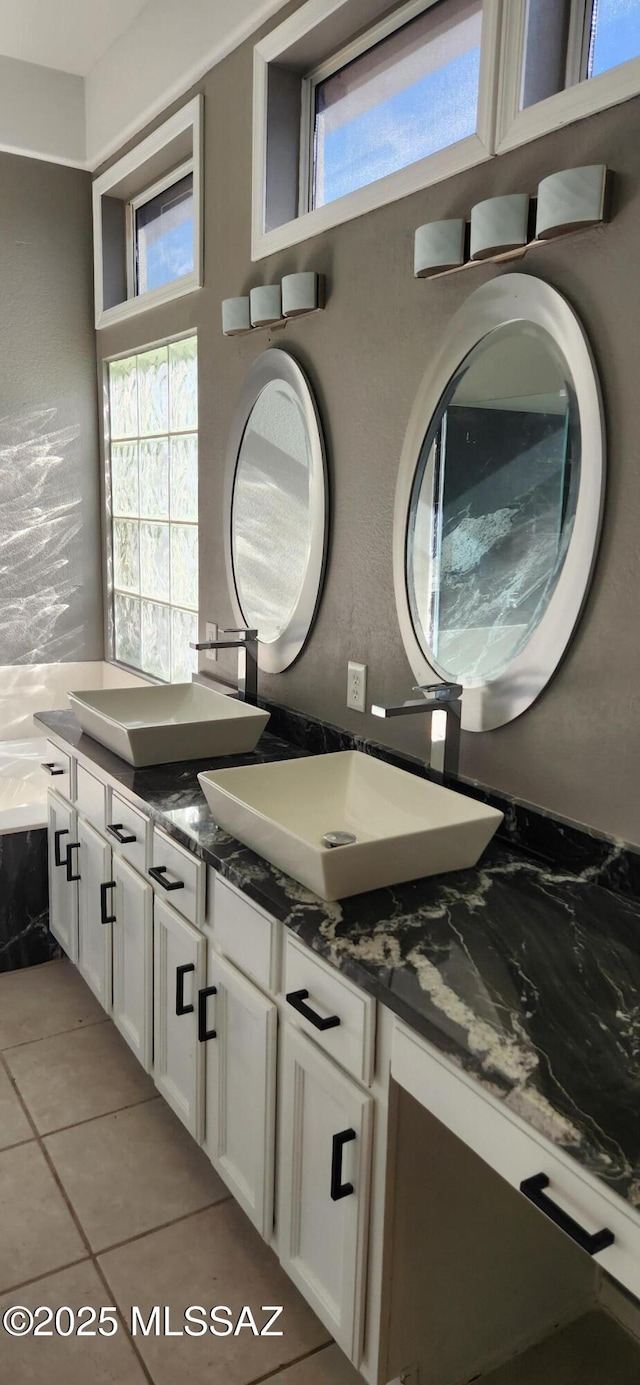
x=577, y=751
x=50, y=581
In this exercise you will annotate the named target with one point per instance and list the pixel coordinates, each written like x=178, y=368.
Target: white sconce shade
x=266, y=305
x=235, y=316
x=300, y=293
x=569, y=200
x=499, y=224
x=439, y=245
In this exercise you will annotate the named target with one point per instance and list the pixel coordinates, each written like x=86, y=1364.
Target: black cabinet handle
x=104, y=916
x=203, y=996
x=592, y=1243
x=52, y=768
x=338, y=1188
x=158, y=873
x=115, y=828
x=181, y=972
x=68, y=862
x=297, y=998
x=61, y=832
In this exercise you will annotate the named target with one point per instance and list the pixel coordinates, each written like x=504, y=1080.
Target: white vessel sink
x=154, y=725
x=404, y=827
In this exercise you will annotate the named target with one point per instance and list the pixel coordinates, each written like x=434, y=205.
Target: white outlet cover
x=356, y=686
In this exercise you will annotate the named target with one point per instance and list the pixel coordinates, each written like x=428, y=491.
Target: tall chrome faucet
x=247, y=647
x=442, y=702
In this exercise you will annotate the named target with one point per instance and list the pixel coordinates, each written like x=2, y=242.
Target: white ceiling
x=69, y=35
x=80, y=77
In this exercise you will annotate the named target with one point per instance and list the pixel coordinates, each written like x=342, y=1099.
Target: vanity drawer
x=247, y=935
x=91, y=797
x=178, y=876
x=518, y=1152
x=315, y=993
x=129, y=832
x=60, y=766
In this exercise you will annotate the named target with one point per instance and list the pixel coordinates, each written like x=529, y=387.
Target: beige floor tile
x=77, y=1076
x=37, y=1231
x=37, y=1001
x=593, y=1350
x=213, y=1258
x=132, y=1171
x=68, y=1360
x=14, y=1125
x=327, y=1367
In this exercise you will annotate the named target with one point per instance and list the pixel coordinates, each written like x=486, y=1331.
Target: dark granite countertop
x=523, y=972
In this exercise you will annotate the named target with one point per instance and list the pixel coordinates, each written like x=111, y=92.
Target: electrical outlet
x=357, y=686
x=211, y=633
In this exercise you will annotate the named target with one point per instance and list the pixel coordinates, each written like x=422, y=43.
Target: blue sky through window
x=429, y=115
x=170, y=255
x=617, y=34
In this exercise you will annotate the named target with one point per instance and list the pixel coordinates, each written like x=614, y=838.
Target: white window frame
x=188, y=118
x=423, y=173
x=515, y=126
x=133, y=206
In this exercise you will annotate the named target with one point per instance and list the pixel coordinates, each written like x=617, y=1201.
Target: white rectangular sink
x=155, y=725
x=404, y=827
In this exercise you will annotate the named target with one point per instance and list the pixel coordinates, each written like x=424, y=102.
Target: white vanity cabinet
x=132, y=935
x=178, y=976
x=238, y=1026
x=324, y=1157
x=90, y=858
x=63, y=891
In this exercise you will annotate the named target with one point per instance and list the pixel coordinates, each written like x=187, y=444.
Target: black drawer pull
x=52, y=768
x=158, y=873
x=338, y=1188
x=115, y=828
x=104, y=916
x=181, y=972
x=61, y=832
x=297, y=998
x=68, y=862
x=203, y=996
x=592, y=1243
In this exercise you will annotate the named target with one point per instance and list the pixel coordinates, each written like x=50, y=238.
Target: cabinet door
x=94, y=911
x=323, y=1198
x=132, y=909
x=178, y=974
x=239, y=1026
x=63, y=893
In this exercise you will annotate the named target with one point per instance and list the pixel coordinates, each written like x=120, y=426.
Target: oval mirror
x=499, y=499
x=277, y=508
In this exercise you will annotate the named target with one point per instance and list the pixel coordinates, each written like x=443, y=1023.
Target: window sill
x=516, y=128
x=434, y=169
x=121, y=312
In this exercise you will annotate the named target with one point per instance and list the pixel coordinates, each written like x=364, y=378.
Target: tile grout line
x=57, y=1033
x=91, y=1257
x=288, y=1365
x=89, y=1120
x=164, y=1226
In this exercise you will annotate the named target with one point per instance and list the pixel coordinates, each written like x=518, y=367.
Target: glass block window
x=153, y=414
x=412, y=94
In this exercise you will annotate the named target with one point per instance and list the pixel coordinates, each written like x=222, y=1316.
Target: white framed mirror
x=276, y=508
x=499, y=499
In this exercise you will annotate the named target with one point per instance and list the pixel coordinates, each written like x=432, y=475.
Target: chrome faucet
x=442, y=701
x=247, y=647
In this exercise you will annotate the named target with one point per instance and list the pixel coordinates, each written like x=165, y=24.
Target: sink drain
x=338, y=839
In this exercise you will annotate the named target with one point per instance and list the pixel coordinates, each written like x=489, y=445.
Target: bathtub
x=23, y=785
